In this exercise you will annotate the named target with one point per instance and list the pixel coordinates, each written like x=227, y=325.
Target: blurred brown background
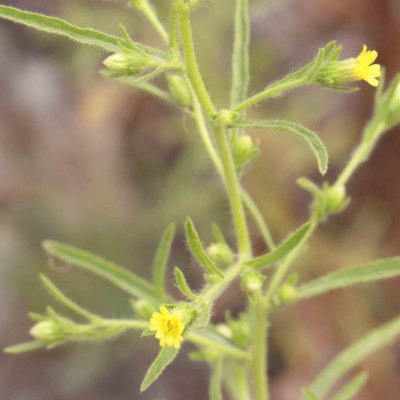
x=105, y=167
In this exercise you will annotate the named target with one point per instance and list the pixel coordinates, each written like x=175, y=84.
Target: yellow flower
x=335, y=73
x=169, y=328
x=364, y=69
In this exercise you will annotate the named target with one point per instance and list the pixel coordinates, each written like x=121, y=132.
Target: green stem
x=247, y=200
x=145, y=7
x=192, y=68
x=362, y=152
x=258, y=219
x=259, y=353
x=233, y=189
x=271, y=91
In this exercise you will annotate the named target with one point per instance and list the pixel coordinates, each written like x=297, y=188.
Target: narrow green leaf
x=218, y=235
x=24, y=347
x=352, y=388
x=309, y=136
x=182, y=284
x=282, y=250
x=369, y=272
x=60, y=27
x=240, y=58
x=216, y=381
x=309, y=394
x=66, y=301
x=197, y=249
x=164, y=358
x=354, y=354
x=124, y=279
x=161, y=259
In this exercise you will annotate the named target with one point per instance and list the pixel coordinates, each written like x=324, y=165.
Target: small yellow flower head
x=169, y=327
x=365, y=70
x=351, y=70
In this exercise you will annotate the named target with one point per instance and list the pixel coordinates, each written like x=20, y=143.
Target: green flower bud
x=244, y=149
x=287, y=293
x=220, y=253
x=47, y=330
x=226, y=117
x=127, y=63
x=335, y=197
x=252, y=282
x=180, y=90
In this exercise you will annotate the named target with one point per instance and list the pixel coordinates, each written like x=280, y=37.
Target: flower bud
x=244, y=149
x=252, y=282
x=335, y=197
x=47, y=331
x=180, y=90
x=127, y=63
x=220, y=253
x=226, y=117
x=287, y=293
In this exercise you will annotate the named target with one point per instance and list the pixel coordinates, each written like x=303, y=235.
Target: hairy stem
x=259, y=351
x=273, y=91
x=192, y=68
x=233, y=189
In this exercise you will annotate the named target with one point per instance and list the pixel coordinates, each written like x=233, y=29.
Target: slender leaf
x=161, y=259
x=369, y=272
x=282, y=250
x=182, y=284
x=352, y=388
x=164, y=358
x=66, y=301
x=24, y=347
x=60, y=27
x=354, y=354
x=124, y=279
x=309, y=136
x=216, y=381
x=197, y=249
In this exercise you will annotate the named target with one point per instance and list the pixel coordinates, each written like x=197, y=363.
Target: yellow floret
x=168, y=327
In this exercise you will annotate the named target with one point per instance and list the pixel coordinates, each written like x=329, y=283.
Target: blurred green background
x=105, y=167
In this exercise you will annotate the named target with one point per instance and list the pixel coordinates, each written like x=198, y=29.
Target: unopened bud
x=244, y=149
x=226, y=117
x=127, y=63
x=252, y=281
x=335, y=200
x=220, y=253
x=46, y=330
x=287, y=293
